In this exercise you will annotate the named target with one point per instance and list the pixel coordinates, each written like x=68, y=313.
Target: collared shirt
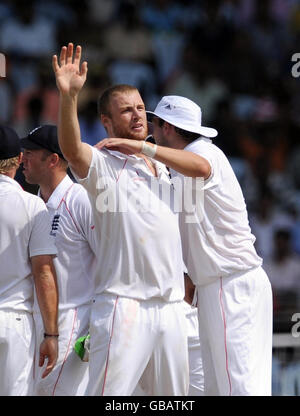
x=219, y=241
x=24, y=233
x=73, y=231
x=139, y=246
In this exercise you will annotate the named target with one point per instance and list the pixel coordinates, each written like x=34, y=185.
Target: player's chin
x=30, y=180
x=139, y=135
x=27, y=178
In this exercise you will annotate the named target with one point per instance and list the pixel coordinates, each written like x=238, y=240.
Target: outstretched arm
x=185, y=162
x=70, y=78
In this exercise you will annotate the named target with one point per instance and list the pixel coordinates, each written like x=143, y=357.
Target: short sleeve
x=96, y=171
x=85, y=219
x=206, y=151
x=40, y=241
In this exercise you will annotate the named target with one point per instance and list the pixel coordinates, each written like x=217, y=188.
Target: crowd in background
x=232, y=57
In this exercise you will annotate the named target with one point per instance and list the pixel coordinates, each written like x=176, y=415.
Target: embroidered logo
x=55, y=224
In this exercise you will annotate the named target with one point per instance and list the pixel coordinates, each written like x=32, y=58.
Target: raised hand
x=70, y=76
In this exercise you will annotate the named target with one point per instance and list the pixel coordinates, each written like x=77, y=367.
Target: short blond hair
x=104, y=99
x=8, y=164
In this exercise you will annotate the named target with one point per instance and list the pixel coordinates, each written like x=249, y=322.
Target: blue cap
x=43, y=137
x=9, y=143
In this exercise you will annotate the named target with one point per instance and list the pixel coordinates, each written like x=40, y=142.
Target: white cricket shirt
x=24, y=233
x=219, y=242
x=139, y=248
x=73, y=230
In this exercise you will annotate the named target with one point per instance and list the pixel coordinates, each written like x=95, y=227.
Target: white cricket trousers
x=196, y=376
x=125, y=334
x=70, y=375
x=16, y=353
x=235, y=328
x=196, y=387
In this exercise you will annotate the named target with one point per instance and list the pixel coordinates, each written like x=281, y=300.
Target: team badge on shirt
x=55, y=224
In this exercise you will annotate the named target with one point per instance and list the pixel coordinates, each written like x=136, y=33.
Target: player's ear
x=168, y=128
x=104, y=120
x=54, y=159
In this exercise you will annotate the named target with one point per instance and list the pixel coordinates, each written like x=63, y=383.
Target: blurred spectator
x=25, y=38
x=265, y=222
x=161, y=15
x=283, y=269
x=60, y=13
x=91, y=128
x=197, y=81
x=294, y=168
x=223, y=122
x=102, y=12
x=290, y=375
x=5, y=10
x=244, y=76
x=169, y=23
x=280, y=10
x=269, y=38
x=296, y=235
x=284, y=265
x=36, y=105
x=6, y=102
x=214, y=34
x=276, y=374
x=129, y=53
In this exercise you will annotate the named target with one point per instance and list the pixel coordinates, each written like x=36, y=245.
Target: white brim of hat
x=203, y=131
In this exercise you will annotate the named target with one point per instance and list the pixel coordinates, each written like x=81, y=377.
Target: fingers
x=52, y=358
x=77, y=56
x=55, y=65
x=84, y=69
x=49, y=367
x=42, y=359
x=66, y=56
x=70, y=53
x=63, y=54
x=101, y=144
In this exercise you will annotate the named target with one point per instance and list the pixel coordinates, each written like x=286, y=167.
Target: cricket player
x=73, y=232
x=234, y=293
x=26, y=251
x=138, y=312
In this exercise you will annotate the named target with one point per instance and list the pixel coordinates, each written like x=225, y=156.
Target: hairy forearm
x=47, y=295
x=68, y=127
x=78, y=154
x=184, y=162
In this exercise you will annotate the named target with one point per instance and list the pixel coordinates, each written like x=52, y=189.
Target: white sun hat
x=183, y=113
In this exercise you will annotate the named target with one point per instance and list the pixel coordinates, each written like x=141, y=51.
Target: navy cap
x=43, y=137
x=9, y=143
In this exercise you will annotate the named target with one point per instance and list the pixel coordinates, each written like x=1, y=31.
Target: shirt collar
x=132, y=158
x=136, y=161
x=13, y=182
x=193, y=145
x=58, y=193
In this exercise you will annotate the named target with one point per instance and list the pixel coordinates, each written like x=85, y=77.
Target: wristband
x=148, y=150
x=51, y=335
